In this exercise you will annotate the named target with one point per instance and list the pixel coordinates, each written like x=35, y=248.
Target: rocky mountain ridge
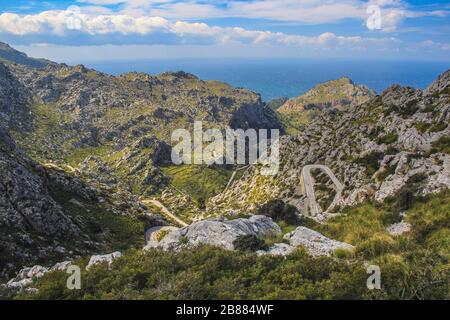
x=378, y=149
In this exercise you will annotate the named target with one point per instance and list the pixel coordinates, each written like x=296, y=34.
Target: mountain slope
x=339, y=94
x=48, y=215
x=9, y=54
x=71, y=114
x=379, y=149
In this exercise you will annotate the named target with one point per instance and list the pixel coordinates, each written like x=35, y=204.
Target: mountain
x=393, y=145
x=66, y=114
x=9, y=54
x=48, y=215
x=85, y=169
x=79, y=147
x=340, y=93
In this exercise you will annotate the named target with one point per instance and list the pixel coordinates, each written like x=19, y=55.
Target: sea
x=288, y=77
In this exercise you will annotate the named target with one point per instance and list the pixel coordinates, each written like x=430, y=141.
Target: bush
x=442, y=145
x=371, y=161
x=280, y=211
x=249, y=243
x=388, y=139
x=438, y=127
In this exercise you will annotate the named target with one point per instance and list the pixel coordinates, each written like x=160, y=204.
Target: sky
x=95, y=30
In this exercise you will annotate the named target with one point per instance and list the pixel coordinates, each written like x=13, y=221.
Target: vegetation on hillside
x=199, y=182
x=415, y=265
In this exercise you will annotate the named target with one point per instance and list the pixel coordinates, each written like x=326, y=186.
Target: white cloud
x=297, y=11
x=57, y=24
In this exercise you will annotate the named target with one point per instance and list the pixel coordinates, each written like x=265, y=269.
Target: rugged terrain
x=334, y=94
x=79, y=148
x=397, y=142
x=86, y=170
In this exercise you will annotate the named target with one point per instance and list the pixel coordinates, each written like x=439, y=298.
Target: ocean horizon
x=274, y=78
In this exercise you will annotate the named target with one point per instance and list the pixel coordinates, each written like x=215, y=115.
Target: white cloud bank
x=393, y=12
x=71, y=24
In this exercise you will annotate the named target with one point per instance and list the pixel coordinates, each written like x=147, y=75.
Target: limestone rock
x=399, y=228
x=278, y=249
x=218, y=232
x=109, y=258
x=314, y=242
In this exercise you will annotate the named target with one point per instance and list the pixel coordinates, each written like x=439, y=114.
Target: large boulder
x=218, y=232
x=316, y=243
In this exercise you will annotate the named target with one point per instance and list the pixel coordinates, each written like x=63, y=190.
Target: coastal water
x=278, y=78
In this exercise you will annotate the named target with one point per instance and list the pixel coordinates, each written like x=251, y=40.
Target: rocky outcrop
x=339, y=93
x=399, y=228
x=217, y=232
x=26, y=276
x=278, y=249
x=108, y=258
x=316, y=243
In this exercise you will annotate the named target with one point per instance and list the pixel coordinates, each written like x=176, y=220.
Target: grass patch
x=199, y=182
x=388, y=139
x=371, y=161
x=441, y=145
x=78, y=155
x=414, y=265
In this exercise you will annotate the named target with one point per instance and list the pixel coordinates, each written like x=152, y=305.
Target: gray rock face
x=316, y=243
x=109, y=258
x=399, y=228
x=218, y=232
x=28, y=213
x=278, y=249
x=26, y=276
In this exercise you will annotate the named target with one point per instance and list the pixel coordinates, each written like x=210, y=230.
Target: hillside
x=47, y=215
x=118, y=129
x=338, y=94
x=375, y=149
x=80, y=147
x=86, y=170
x=9, y=54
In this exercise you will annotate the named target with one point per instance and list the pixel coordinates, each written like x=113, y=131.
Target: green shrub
x=422, y=127
x=278, y=210
x=371, y=161
x=376, y=245
x=439, y=127
x=442, y=145
x=388, y=139
x=249, y=243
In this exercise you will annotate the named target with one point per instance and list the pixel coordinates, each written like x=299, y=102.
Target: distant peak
x=9, y=54
x=441, y=85
x=179, y=74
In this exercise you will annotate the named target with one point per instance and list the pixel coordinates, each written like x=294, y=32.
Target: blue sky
x=140, y=29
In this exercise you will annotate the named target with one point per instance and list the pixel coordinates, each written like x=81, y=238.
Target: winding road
x=51, y=165
x=165, y=211
x=152, y=233
x=309, y=188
